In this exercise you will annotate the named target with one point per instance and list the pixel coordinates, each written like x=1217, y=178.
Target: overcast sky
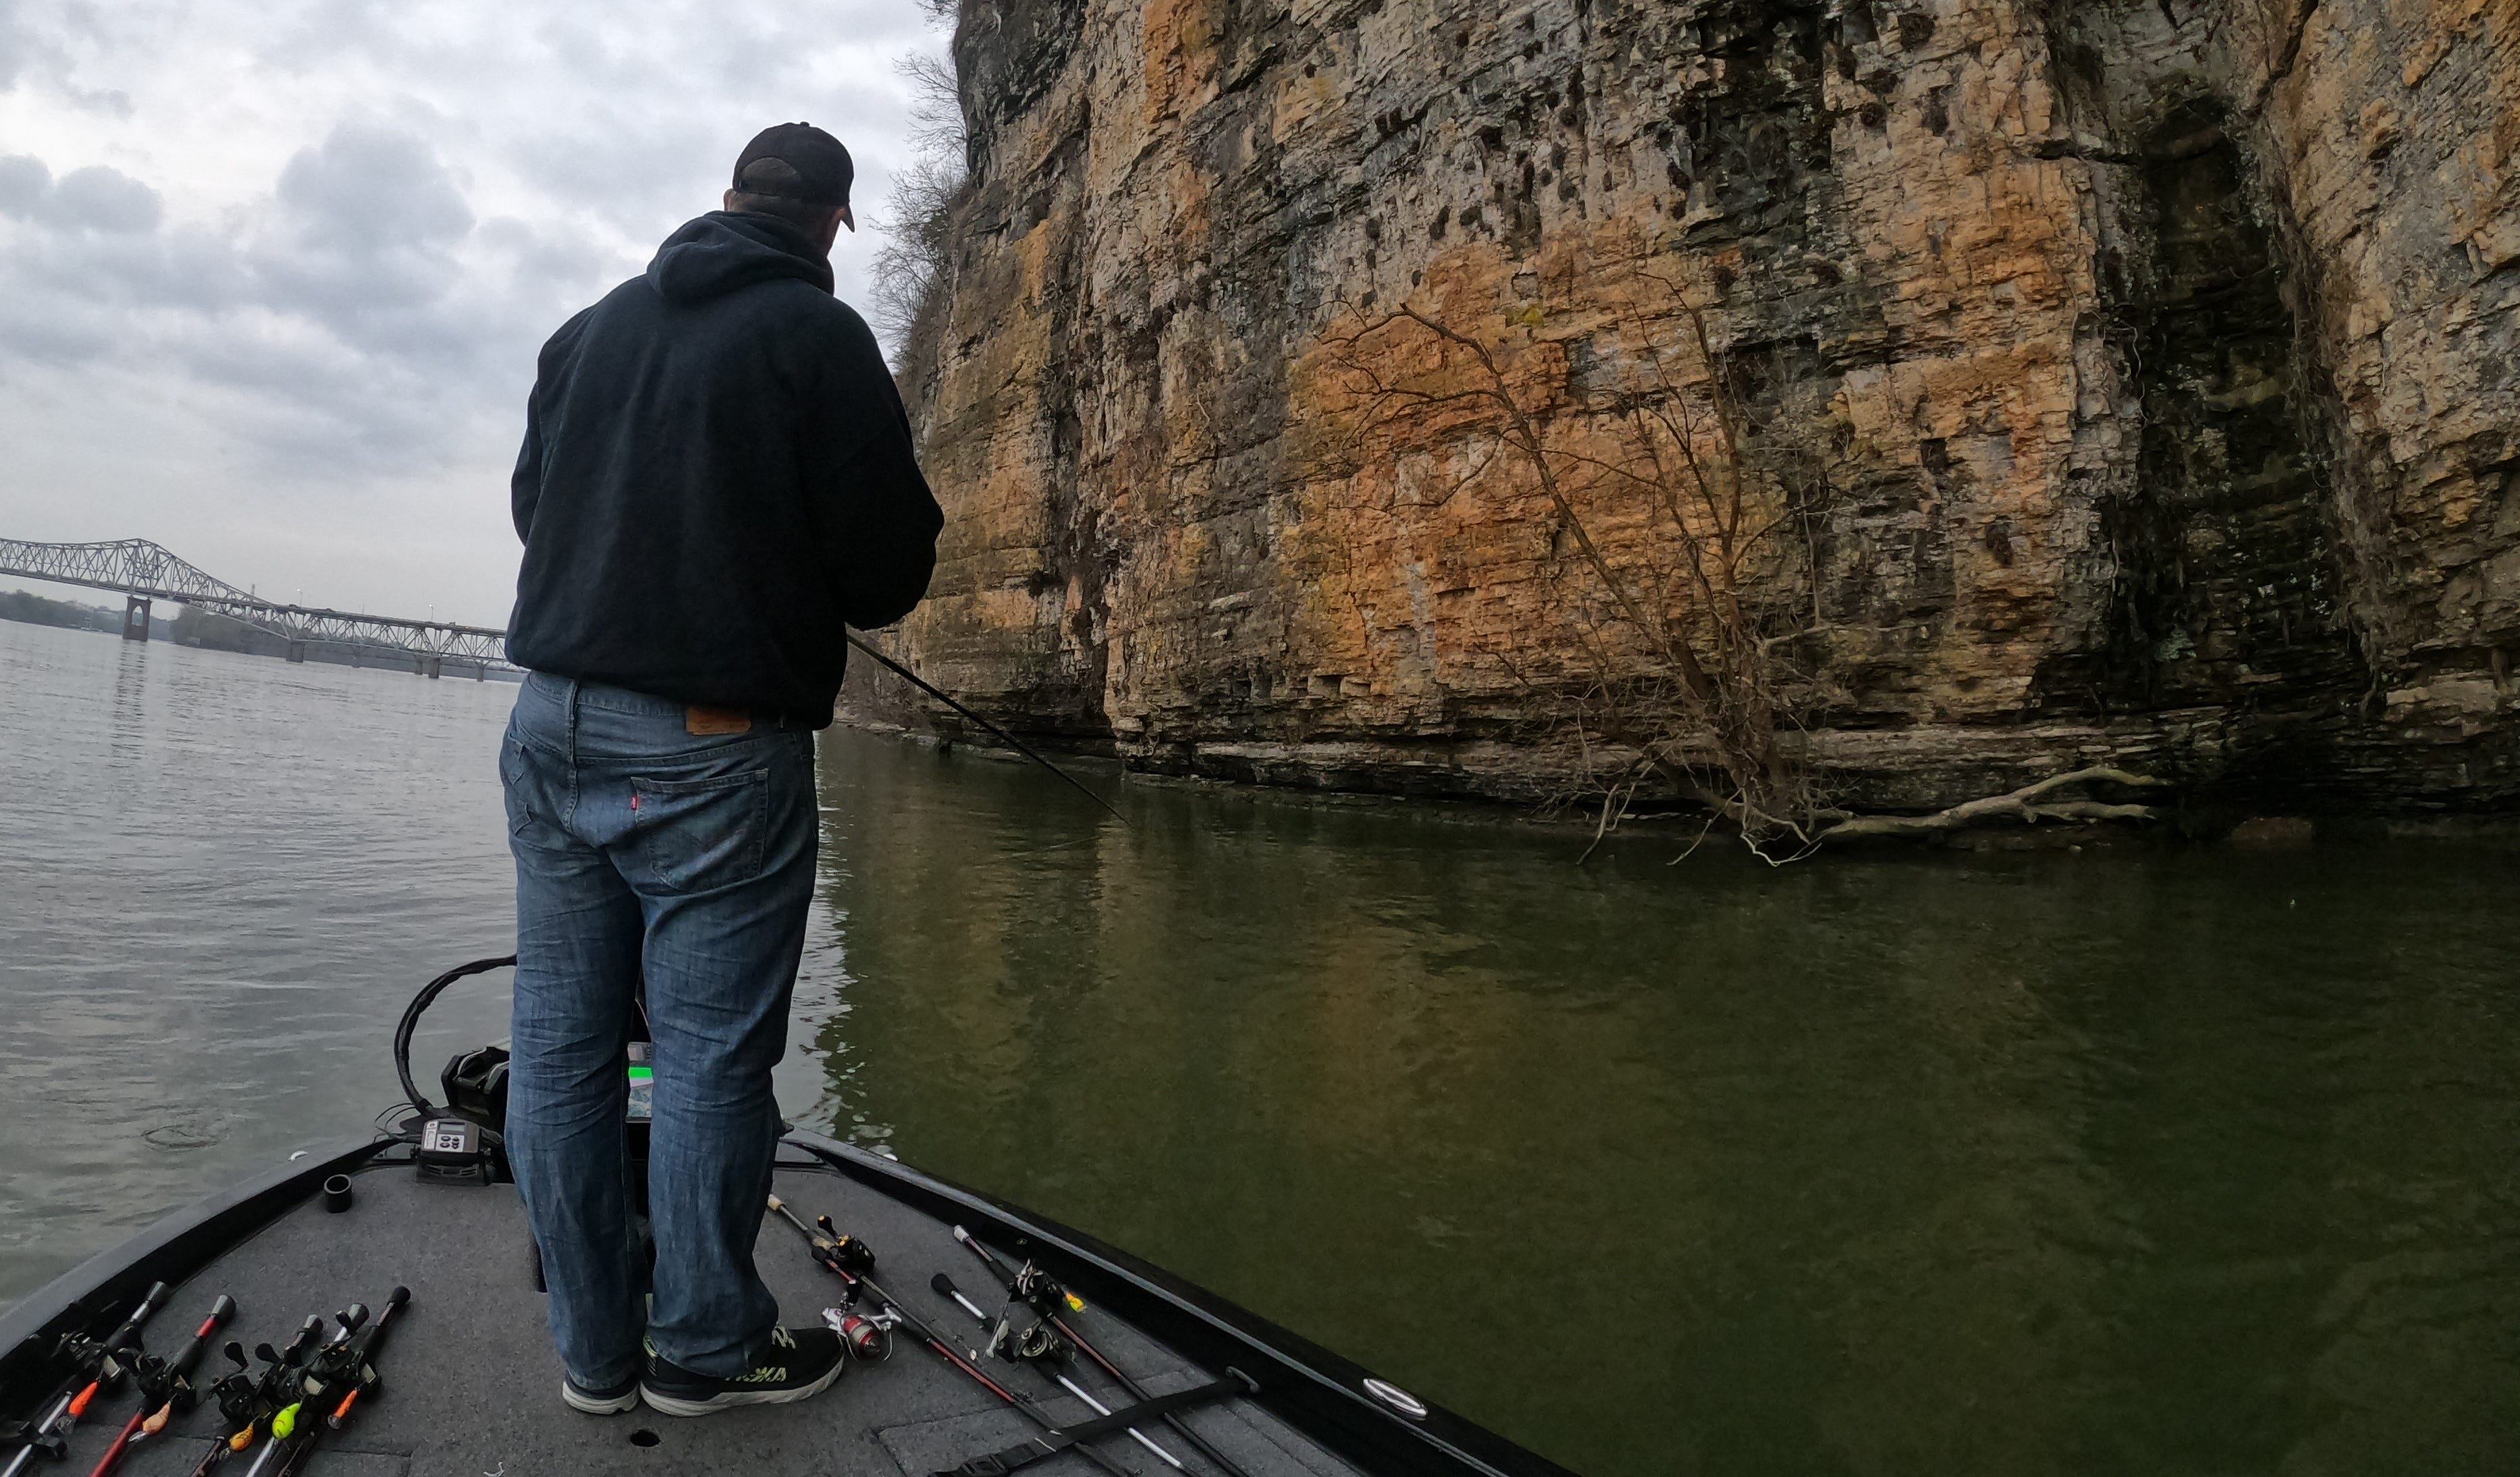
x=273, y=272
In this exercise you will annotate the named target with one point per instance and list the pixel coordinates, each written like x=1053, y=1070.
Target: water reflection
x=2015, y=1165
x=130, y=682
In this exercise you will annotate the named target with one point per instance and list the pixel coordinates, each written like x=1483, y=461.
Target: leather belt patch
x=700, y=720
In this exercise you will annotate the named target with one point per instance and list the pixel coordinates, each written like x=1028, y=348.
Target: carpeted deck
x=472, y=1384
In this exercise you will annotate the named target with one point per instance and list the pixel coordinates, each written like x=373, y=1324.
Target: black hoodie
x=717, y=474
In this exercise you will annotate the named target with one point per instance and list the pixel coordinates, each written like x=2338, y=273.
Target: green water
x=2197, y=1161
x=2144, y=1162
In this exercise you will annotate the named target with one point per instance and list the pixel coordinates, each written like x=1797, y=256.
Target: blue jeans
x=644, y=851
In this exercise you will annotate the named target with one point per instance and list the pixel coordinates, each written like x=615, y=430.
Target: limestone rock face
x=2134, y=379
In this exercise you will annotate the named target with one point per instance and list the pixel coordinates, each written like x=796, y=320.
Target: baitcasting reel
x=844, y=1254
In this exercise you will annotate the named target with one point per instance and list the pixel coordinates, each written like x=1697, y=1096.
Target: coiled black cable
x=418, y=1006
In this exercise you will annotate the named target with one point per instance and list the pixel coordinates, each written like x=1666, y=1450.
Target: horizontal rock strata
x=2134, y=380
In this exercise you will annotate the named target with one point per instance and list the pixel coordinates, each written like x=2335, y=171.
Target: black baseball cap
x=795, y=161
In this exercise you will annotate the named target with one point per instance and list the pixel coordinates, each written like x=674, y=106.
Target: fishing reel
x=285, y=1385
x=337, y=1361
x=117, y=1368
x=79, y=1352
x=1042, y=1293
x=45, y=1440
x=867, y=1335
x=358, y=1379
x=247, y=1399
x=843, y=1254
x=1038, y=1344
x=237, y=1394
x=159, y=1384
x=111, y=1364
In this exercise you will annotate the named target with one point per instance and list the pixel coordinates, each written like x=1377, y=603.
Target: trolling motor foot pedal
x=452, y=1153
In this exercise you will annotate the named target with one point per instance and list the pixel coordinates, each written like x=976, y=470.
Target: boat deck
x=471, y=1383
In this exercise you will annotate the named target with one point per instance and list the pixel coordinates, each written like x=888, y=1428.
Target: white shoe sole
x=579, y=1400
x=667, y=1404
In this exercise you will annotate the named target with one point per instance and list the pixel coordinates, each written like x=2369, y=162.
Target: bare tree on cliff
x=1689, y=549
x=914, y=269
x=1689, y=532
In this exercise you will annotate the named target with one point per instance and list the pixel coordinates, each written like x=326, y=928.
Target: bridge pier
x=435, y=667
x=297, y=650
x=135, y=618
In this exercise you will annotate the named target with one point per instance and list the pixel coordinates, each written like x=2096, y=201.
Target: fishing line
x=1009, y=740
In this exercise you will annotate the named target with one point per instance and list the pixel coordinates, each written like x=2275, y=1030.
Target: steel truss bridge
x=145, y=572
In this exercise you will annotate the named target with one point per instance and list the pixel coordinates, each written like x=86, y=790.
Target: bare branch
x=2022, y=806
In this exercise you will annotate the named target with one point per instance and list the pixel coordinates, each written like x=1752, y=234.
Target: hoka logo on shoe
x=783, y=1339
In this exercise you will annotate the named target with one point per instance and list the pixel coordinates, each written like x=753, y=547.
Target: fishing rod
x=240, y=1395
x=858, y=1281
x=1057, y=1439
x=166, y=1387
x=246, y=1399
x=334, y=1383
x=97, y=1365
x=1045, y=1350
x=368, y=1379
x=288, y=1397
x=1009, y=740
x=1035, y=1287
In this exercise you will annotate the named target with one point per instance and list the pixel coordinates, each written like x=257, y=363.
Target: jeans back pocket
x=697, y=835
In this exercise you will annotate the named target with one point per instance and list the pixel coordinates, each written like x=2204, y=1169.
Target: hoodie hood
x=725, y=250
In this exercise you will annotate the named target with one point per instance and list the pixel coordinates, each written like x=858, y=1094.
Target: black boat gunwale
x=1314, y=1390
x=1309, y=1387
x=91, y=1296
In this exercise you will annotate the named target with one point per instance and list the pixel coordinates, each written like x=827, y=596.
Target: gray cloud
x=363, y=241
x=100, y=198
x=14, y=43
x=24, y=184
x=93, y=199
x=289, y=298
x=369, y=186
x=32, y=47
x=355, y=243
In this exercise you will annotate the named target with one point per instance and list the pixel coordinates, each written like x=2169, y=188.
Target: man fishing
x=717, y=481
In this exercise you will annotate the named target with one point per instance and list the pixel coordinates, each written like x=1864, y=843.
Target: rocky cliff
x=2129, y=380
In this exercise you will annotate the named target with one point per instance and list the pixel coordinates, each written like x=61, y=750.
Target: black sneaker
x=611, y=1400
x=794, y=1365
